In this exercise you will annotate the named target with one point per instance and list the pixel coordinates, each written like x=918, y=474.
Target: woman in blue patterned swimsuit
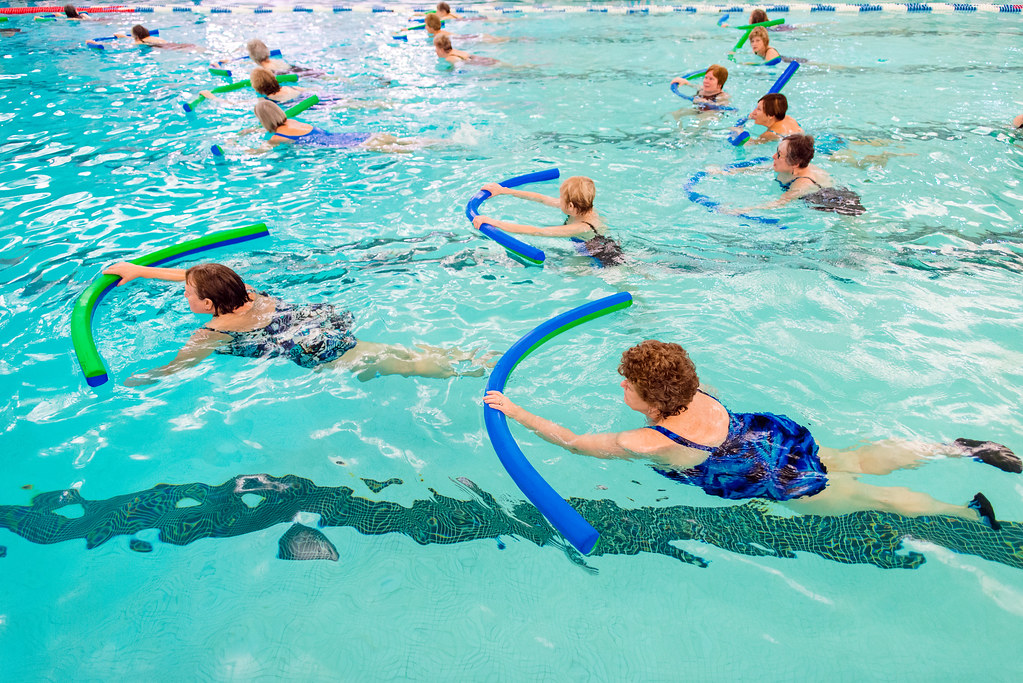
x=285, y=130
x=255, y=324
x=695, y=440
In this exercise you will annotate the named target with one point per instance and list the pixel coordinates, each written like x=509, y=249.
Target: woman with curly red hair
x=695, y=440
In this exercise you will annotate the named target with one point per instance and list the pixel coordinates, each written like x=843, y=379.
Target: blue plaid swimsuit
x=763, y=456
x=307, y=335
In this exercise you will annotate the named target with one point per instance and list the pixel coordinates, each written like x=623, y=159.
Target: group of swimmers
x=689, y=436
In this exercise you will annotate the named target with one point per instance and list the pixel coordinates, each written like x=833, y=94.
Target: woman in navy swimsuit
x=285, y=130
x=254, y=324
x=695, y=440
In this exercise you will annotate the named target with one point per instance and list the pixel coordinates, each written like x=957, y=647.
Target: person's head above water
x=770, y=109
x=443, y=8
x=577, y=195
x=794, y=151
x=757, y=16
x=715, y=78
x=139, y=32
x=258, y=51
x=759, y=40
x=433, y=23
x=270, y=115
x=264, y=81
x=213, y=289
x=442, y=45
x=660, y=375
x=71, y=13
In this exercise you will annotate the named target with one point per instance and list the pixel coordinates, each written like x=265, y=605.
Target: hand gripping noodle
x=523, y=252
x=558, y=512
x=743, y=137
x=85, y=307
x=237, y=85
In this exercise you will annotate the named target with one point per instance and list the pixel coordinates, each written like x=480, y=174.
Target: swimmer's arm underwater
x=569, y=230
x=777, y=203
x=199, y=347
x=608, y=445
x=495, y=189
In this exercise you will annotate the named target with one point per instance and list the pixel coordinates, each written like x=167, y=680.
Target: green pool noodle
x=85, y=307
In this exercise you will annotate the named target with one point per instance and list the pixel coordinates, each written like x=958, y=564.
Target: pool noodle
x=719, y=107
x=85, y=307
x=216, y=71
x=748, y=28
x=237, y=85
x=742, y=137
x=518, y=248
x=723, y=19
x=154, y=32
x=556, y=509
x=704, y=200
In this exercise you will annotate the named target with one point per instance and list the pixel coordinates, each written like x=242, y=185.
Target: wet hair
x=757, y=16
x=443, y=42
x=139, y=32
x=662, y=374
x=258, y=51
x=71, y=13
x=444, y=7
x=760, y=32
x=433, y=22
x=799, y=151
x=720, y=73
x=264, y=81
x=775, y=104
x=270, y=115
x=580, y=192
x=219, y=284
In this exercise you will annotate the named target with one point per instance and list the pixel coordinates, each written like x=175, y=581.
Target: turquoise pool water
x=902, y=323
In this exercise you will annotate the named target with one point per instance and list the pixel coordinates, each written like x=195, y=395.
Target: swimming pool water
x=902, y=323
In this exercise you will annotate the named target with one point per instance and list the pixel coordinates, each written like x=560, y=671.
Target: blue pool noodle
x=154, y=32
x=516, y=246
x=674, y=89
x=723, y=19
x=704, y=200
x=791, y=69
x=558, y=512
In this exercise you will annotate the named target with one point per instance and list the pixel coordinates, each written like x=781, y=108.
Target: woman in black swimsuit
x=582, y=222
x=802, y=180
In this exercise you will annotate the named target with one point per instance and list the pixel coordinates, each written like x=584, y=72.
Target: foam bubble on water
x=465, y=134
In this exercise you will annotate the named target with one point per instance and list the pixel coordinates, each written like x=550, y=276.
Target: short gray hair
x=258, y=50
x=270, y=115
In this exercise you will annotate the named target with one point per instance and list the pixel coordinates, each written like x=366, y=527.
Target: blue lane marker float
x=558, y=512
x=704, y=200
x=522, y=252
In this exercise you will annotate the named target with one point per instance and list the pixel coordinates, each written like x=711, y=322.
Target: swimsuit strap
x=592, y=227
x=786, y=186
x=683, y=441
x=299, y=137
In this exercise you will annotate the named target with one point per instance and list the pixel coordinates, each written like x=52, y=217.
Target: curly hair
x=662, y=374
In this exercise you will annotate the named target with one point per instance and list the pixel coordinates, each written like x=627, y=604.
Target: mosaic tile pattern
x=246, y=503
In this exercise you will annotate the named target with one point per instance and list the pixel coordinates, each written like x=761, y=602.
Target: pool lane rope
x=556, y=509
x=521, y=251
x=237, y=85
x=743, y=137
x=89, y=359
x=704, y=200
